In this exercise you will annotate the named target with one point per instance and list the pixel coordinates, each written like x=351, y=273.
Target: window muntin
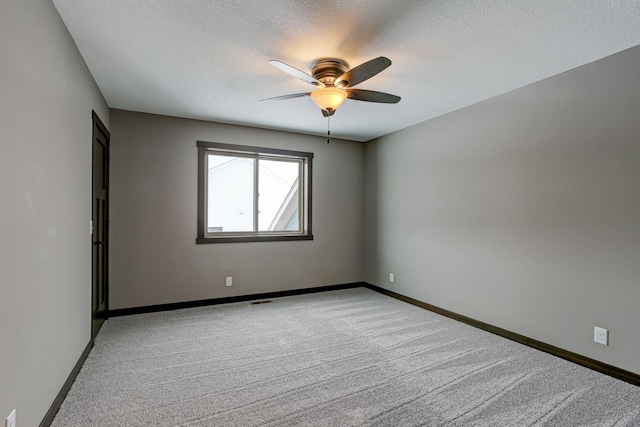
x=253, y=194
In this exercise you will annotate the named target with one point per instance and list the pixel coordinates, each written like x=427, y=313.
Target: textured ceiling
x=207, y=59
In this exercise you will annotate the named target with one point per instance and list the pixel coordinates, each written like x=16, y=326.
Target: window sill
x=239, y=239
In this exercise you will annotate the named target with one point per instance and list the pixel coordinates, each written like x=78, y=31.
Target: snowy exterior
x=230, y=194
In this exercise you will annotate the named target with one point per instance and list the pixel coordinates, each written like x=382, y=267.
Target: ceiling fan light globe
x=329, y=98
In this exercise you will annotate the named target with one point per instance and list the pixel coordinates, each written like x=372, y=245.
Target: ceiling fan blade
x=372, y=96
x=280, y=98
x=362, y=72
x=296, y=73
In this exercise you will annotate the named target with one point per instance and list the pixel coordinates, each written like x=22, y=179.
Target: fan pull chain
x=328, y=129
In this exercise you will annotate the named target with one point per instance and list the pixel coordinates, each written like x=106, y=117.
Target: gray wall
x=522, y=211
x=154, y=257
x=46, y=98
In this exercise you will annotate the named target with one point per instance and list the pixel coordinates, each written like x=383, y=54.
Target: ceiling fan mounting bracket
x=328, y=70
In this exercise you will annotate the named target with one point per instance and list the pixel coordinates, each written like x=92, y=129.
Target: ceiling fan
x=335, y=81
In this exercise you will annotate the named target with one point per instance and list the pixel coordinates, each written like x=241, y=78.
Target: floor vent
x=266, y=301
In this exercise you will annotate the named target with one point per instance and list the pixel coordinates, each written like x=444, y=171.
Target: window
x=250, y=194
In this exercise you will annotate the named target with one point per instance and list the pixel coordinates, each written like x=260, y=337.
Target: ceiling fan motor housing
x=328, y=70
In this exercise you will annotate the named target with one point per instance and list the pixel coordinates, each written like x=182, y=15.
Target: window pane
x=230, y=193
x=278, y=195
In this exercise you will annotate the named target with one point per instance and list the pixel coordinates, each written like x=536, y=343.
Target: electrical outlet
x=391, y=277
x=601, y=336
x=11, y=419
x=229, y=281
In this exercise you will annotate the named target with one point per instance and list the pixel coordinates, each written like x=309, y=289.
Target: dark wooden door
x=100, y=226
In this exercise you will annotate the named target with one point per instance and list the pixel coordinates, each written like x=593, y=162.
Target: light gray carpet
x=341, y=358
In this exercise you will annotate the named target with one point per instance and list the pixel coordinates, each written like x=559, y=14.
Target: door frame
x=99, y=316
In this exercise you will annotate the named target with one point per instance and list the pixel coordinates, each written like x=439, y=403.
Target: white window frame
x=304, y=193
